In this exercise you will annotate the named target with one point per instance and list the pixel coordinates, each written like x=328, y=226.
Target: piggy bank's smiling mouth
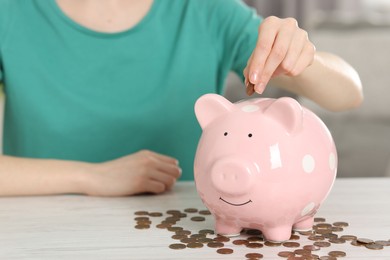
x=235, y=204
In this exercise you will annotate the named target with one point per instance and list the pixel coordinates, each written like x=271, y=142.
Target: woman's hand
x=282, y=49
x=144, y=171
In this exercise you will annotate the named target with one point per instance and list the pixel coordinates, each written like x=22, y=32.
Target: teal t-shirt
x=76, y=94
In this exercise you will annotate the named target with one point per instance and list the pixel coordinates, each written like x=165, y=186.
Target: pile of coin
x=322, y=236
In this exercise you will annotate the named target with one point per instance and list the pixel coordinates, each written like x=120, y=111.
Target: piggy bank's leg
x=304, y=225
x=277, y=234
x=226, y=228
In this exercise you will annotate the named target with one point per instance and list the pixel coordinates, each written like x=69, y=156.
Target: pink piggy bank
x=263, y=164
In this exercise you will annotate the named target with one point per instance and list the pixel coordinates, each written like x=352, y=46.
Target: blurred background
x=359, y=32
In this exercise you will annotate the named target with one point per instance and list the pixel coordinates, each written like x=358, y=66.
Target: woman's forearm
x=21, y=176
x=329, y=81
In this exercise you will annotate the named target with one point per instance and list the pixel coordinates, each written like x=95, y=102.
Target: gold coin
x=322, y=244
x=215, y=244
x=139, y=213
x=254, y=245
x=365, y=240
x=302, y=252
x=286, y=254
x=306, y=233
x=141, y=218
x=198, y=218
x=191, y=210
x=177, y=246
x=291, y=244
x=316, y=237
x=198, y=235
x=254, y=255
x=323, y=226
x=194, y=245
x=224, y=251
x=162, y=226
x=337, y=253
x=204, y=212
x=374, y=246
x=272, y=244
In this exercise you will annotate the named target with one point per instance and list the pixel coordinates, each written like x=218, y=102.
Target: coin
x=348, y=237
x=206, y=231
x=220, y=238
x=322, y=244
x=198, y=235
x=294, y=237
x=174, y=229
x=177, y=246
x=337, y=253
x=291, y=244
x=365, y=240
x=139, y=213
x=188, y=240
x=382, y=242
x=191, y=210
x=374, y=246
x=254, y=245
x=173, y=212
x=306, y=233
x=302, y=252
x=204, y=212
x=254, y=255
x=198, y=218
x=286, y=254
x=272, y=244
x=323, y=226
x=240, y=242
x=340, y=224
x=155, y=214
x=215, y=244
x=194, y=245
x=253, y=232
x=162, y=226
x=205, y=240
x=142, y=226
x=311, y=247
x=357, y=243
x=178, y=237
x=319, y=220
x=337, y=240
x=224, y=251
x=255, y=238
x=183, y=232
x=141, y=218
x=316, y=237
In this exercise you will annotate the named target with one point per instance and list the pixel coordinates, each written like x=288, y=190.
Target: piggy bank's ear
x=288, y=112
x=210, y=106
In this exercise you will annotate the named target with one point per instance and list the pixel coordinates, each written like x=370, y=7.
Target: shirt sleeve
x=234, y=28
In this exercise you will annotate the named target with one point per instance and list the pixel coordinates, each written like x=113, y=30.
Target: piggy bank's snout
x=231, y=176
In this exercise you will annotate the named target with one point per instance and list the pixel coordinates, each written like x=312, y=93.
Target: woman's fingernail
x=253, y=78
x=259, y=88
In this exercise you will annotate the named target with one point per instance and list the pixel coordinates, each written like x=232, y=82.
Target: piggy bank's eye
x=249, y=135
x=225, y=134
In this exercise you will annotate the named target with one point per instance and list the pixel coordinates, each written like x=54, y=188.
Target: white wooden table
x=81, y=227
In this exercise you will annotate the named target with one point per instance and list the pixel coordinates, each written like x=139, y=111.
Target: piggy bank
x=263, y=164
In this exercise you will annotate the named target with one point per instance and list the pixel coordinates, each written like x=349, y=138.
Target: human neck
x=109, y=16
